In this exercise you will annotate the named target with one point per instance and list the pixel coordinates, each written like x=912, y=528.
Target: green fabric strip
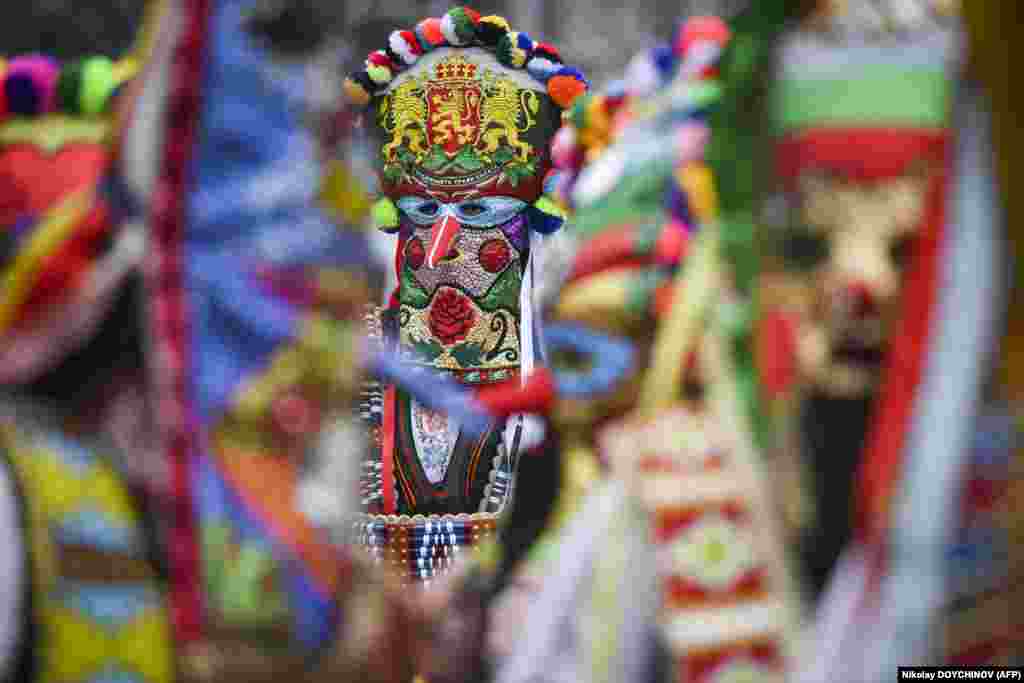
x=877, y=96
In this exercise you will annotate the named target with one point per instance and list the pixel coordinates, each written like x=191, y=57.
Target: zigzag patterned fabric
x=99, y=609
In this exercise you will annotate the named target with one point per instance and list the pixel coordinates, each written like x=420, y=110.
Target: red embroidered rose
x=451, y=317
x=494, y=255
x=415, y=253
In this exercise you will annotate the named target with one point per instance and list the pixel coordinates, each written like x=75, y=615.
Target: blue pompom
x=664, y=60
x=542, y=222
x=574, y=72
x=541, y=69
x=678, y=204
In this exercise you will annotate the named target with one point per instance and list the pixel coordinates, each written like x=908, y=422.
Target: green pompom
x=98, y=84
x=706, y=93
x=504, y=51
x=385, y=215
x=463, y=25
x=69, y=85
x=578, y=112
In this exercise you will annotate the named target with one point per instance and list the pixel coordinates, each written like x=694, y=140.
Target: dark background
x=598, y=35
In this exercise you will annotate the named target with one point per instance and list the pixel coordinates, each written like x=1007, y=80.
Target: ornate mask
x=464, y=110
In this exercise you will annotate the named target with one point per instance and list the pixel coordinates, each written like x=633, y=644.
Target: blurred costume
x=856, y=220
x=990, y=28
x=464, y=110
x=83, y=597
x=670, y=567
x=253, y=316
x=884, y=156
x=255, y=322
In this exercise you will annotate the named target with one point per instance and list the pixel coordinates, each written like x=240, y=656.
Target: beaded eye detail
x=485, y=212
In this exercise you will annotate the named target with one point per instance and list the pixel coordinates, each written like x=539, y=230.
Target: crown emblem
x=455, y=69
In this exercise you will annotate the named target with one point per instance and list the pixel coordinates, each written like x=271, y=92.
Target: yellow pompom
x=698, y=183
x=355, y=93
x=345, y=194
x=500, y=22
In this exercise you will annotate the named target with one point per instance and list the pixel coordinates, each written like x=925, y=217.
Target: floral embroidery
x=451, y=317
x=714, y=552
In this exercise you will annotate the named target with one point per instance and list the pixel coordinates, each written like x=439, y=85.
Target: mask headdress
x=467, y=108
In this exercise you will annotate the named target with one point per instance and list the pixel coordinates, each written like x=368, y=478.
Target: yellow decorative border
x=17, y=280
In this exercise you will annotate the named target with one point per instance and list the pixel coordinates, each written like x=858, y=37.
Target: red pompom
x=702, y=29
x=295, y=415
x=410, y=38
x=380, y=58
x=506, y=399
x=547, y=51
x=565, y=89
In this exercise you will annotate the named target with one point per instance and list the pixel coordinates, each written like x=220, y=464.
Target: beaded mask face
x=463, y=159
x=464, y=110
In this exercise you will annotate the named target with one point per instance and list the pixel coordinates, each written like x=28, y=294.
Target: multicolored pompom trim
x=464, y=27
x=35, y=85
x=593, y=120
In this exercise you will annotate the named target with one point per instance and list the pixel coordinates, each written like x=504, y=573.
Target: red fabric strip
x=168, y=317
x=881, y=468
x=387, y=452
x=863, y=154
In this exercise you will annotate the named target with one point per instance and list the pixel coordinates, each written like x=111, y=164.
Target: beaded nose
x=442, y=236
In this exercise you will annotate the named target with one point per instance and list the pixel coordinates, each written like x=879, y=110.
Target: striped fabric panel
x=859, y=83
x=724, y=609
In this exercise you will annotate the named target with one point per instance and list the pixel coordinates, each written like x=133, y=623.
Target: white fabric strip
x=939, y=441
x=12, y=572
x=529, y=349
x=548, y=650
x=706, y=628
